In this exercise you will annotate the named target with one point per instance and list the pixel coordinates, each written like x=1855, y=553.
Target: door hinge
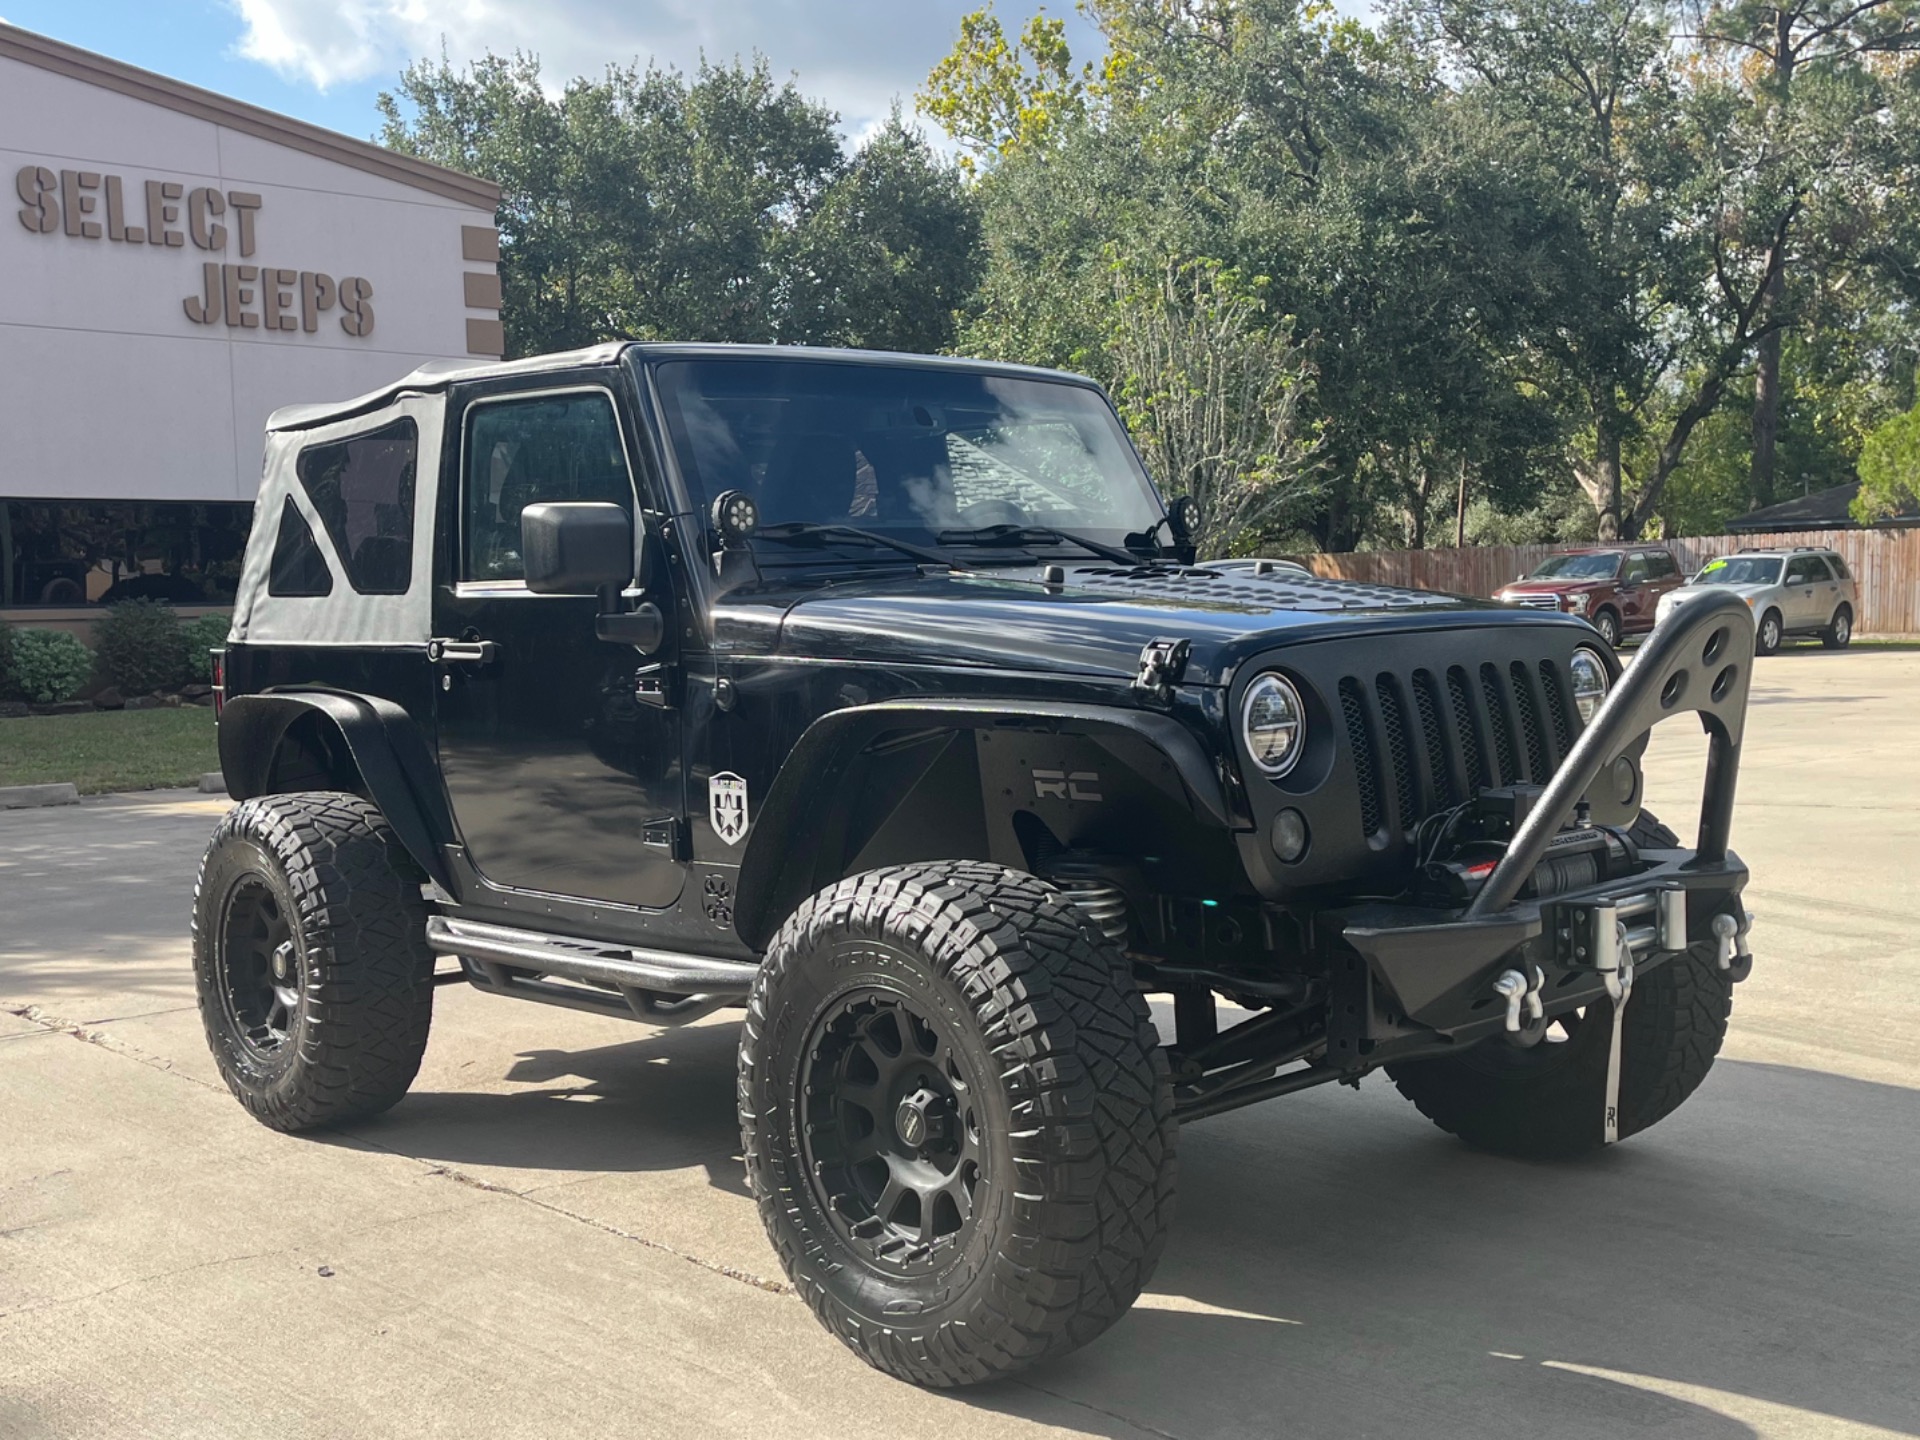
x=1162, y=663
x=654, y=685
x=668, y=836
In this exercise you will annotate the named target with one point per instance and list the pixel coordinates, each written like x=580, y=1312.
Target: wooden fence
x=1885, y=564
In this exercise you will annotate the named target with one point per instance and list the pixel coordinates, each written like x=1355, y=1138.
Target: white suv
x=1802, y=591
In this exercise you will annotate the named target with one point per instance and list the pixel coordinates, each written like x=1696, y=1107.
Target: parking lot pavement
x=550, y=1235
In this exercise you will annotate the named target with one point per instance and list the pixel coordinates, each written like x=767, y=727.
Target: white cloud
x=855, y=55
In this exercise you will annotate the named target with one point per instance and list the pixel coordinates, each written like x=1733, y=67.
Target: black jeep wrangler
x=881, y=696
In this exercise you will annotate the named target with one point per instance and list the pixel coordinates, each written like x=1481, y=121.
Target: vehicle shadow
x=664, y=1101
x=1751, y=1268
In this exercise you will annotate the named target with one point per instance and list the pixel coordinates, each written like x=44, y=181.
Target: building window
x=362, y=488
x=298, y=566
x=64, y=553
x=522, y=452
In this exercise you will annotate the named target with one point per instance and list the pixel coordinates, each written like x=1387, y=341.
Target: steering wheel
x=983, y=513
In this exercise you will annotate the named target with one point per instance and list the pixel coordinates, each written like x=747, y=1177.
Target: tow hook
x=1523, y=994
x=1731, y=951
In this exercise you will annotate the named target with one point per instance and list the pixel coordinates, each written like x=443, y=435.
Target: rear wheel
x=1546, y=1102
x=956, y=1119
x=1839, y=634
x=1767, y=638
x=310, y=959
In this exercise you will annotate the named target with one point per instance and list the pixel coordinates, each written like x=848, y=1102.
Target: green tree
x=1826, y=116
x=1212, y=392
x=644, y=205
x=994, y=96
x=1890, y=469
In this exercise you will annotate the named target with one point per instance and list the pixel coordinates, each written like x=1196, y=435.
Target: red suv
x=1617, y=589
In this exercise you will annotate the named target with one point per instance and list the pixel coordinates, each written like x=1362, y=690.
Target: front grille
x=1394, y=720
x=1497, y=723
x=1366, y=764
x=1518, y=719
x=1536, y=602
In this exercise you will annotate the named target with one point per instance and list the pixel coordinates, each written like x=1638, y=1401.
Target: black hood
x=1094, y=622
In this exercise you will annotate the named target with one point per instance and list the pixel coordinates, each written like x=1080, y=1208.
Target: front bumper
x=1409, y=976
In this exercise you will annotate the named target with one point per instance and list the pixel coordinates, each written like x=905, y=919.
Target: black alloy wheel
x=956, y=1119
x=310, y=959
x=259, y=974
x=891, y=1136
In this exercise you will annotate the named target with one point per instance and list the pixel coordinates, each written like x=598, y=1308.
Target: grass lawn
x=110, y=749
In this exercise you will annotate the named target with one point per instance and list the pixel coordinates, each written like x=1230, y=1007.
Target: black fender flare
x=775, y=869
x=391, y=754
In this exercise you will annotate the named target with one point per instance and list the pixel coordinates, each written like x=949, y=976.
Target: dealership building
x=176, y=266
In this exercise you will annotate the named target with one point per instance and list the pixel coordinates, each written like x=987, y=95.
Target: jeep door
x=562, y=780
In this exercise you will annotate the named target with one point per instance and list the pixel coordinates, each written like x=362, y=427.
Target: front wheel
x=956, y=1119
x=1546, y=1102
x=1839, y=634
x=1767, y=638
x=310, y=959
x=1608, y=624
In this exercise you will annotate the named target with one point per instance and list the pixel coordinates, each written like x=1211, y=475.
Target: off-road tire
x=1521, y=1103
x=1769, y=634
x=351, y=900
x=1839, y=634
x=1074, y=1098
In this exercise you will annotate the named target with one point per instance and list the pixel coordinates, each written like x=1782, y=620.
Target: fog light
x=1290, y=835
x=1626, y=781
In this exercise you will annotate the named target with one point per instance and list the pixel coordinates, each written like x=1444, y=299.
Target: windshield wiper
x=1010, y=535
x=800, y=532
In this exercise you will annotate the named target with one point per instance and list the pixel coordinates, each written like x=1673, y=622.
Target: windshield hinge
x=1162, y=663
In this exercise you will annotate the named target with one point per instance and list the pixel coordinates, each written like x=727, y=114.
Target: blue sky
x=325, y=60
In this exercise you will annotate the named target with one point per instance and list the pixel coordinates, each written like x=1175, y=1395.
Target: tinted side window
x=521, y=452
x=363, y=488
x=1660, y=565
x=1840, y=570
x=1636, y=571
x=1807, y=570
x=298, y=566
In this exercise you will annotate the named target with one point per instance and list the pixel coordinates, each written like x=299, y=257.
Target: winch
x=1463, y=845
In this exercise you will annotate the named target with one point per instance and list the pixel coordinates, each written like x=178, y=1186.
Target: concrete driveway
x=550, y=1236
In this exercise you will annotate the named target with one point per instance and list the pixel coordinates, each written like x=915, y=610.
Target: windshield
x=1739, y=570
x=1578, y=567
x=905, y=449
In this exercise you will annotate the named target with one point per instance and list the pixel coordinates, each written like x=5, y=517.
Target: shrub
x=142, y=647
x=49, y=665
x=6, y=660
x=209, y=632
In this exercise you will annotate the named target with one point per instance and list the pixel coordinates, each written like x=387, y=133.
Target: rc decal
x=727, y=806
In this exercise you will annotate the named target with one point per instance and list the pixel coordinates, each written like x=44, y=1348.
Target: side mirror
x=576, y=549
x=586, y=548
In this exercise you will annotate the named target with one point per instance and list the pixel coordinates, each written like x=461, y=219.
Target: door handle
x=475, y=652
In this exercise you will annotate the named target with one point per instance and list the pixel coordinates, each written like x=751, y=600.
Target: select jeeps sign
x=89, y=206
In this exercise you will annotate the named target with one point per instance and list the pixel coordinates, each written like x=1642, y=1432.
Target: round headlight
x=1273, y=723
x=1590, y=682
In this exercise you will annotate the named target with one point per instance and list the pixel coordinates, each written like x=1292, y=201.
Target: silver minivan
x=1802, y=591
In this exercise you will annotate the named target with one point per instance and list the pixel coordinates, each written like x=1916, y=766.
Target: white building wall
x=108, y=389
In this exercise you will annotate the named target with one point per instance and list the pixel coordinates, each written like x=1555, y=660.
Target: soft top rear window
x=362, y=487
